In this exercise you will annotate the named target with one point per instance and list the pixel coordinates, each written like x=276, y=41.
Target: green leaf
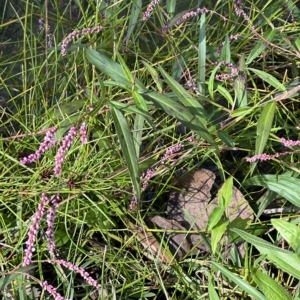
x=269, y=79
x=107, y=66
x=264, y=126
x=263, y=246
x=286, y=186
x=289, y=263
x=185, y=97
x=270, y=288
x=214, y=217
x=217, y=233
x=225, y=138
x=290, y=232
x=245, y=286
x=181, y=113
x=261, y=45
x=225, y=194
x=154, y=76
x=213, y=295
x=224, y=92
x=240, y=83
x=128, y=149
x=226, y=52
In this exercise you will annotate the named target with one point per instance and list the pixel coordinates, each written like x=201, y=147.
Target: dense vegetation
x=149, y=150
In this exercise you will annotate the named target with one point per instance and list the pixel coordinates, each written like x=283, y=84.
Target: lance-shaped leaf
x=240, y=84
x=181, y=113
x=127, y=145
x=286, y=186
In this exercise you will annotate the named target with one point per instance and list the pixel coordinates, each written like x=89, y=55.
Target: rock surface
x=190, y=206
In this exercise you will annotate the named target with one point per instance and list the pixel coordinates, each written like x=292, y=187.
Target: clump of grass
x=106, y=84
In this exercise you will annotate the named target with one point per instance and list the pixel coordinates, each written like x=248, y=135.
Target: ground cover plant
x=149, y=149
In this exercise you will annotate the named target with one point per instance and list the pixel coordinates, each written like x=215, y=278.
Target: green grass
x=137, y=76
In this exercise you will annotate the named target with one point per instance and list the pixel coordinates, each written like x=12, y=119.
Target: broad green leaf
x=185, y=97
x=213, y=295
x=202, y=55
x=135, y=10
x=127, y=146
x=270, y=288
x=7, y=279
x=289, y=263
x=263, y=246
x=243, y=285
x=211, y=81
x=224, y=92
x=269, y=79
x=225, y=194
x=133, y=109
x=217, y=233
x=111, y=68
x=225, y=138
x=261, y=45
x=240, y=84
x=171, y=5
x=181, y=113
x=264, y=126
x=290, y=232
x=214, y=217
x=226, y=52
x=154, y=76
x=241, y=112
x=286, y=186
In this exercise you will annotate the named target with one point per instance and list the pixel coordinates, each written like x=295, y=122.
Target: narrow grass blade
x=270, y=288
x=184, y=96
x=269, y=79
x=286, y=186
x=290, y=232
x=245, y=286
x=261, y=45
x=135, y=10
x=181, y=113
x=202, y=55
x=264, y=126
x=224, y=92
x=127, y=146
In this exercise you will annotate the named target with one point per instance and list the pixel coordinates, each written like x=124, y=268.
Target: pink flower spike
x=66, y=144
x=47, y=143
x=83, y=133
x=33, y=230
x=289, y=143
x=52, y=290
x=79, y=270
x=50, y=222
